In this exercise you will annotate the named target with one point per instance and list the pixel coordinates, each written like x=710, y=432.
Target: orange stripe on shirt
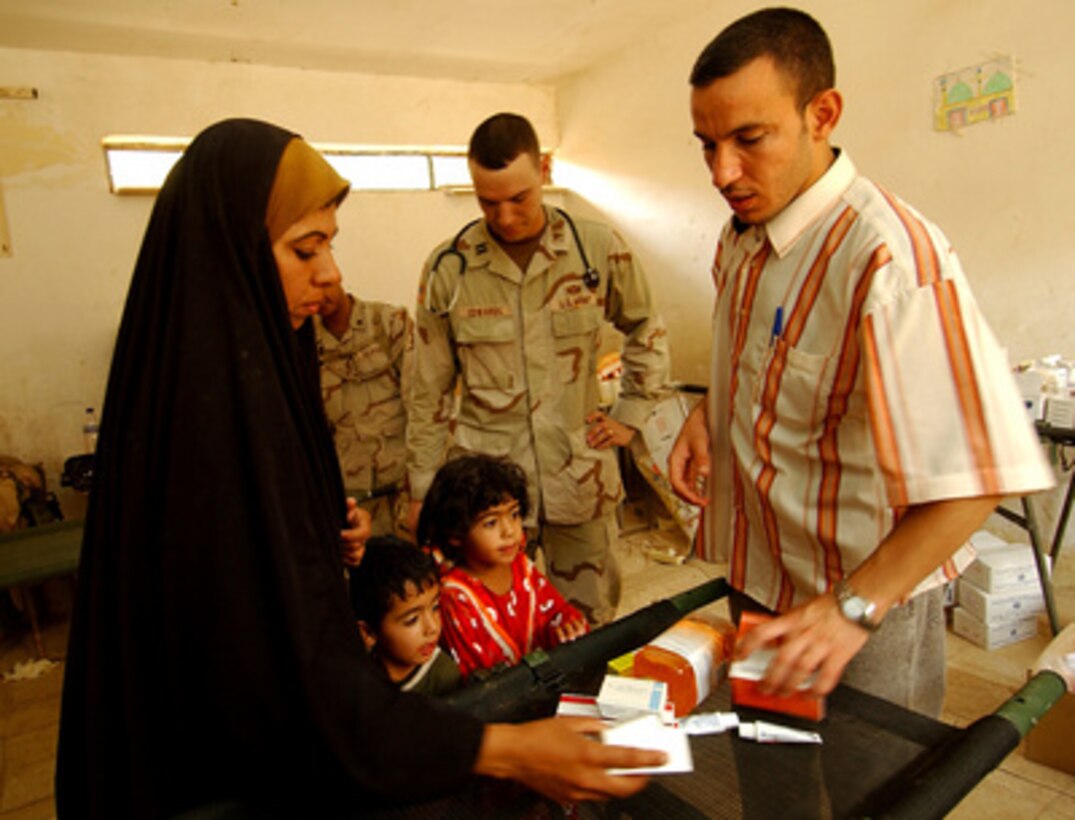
x=739, y=328
x=970, y=398
x=814, y=279
x=847, y=369
x=927, y=266
x=884, y=436
x=763, y=428
x=737, y=561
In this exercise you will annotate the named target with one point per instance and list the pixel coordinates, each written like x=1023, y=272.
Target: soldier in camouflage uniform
x=506, y=352
x=360, y=346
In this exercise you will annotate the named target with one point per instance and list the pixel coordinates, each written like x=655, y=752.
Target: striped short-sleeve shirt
x=853, y=376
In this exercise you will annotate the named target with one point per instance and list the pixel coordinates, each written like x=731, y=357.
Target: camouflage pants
x=581, y=563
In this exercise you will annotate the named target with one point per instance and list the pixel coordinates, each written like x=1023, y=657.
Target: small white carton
x=1007, y=568
x=992, y=636
x=1000, y=607
x=1060, y=411
x=622, y=698
x=985, y=541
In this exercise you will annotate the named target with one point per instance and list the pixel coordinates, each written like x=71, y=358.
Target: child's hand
x=569, y=630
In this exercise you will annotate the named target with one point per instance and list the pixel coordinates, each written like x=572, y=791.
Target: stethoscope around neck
x=590, y=277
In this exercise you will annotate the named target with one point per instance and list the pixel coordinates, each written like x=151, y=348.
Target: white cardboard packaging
x=1000, y=607
x=622, y=698
x=992, y=636
x=1006, y=568
x=985, y=541
x=1060, y=411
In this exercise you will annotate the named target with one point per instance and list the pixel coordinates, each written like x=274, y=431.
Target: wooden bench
x=36, y=554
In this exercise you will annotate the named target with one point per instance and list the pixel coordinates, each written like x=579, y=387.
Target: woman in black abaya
x=213, y=653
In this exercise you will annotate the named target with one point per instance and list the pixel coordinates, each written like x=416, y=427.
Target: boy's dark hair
x=500, y=139
x=388, y=565
x=463, y=489
x=793, y=39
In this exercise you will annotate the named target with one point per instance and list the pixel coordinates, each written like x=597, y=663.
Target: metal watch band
x=855, y=608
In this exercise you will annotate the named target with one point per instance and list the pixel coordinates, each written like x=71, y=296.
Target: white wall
x=624, y=136
x=1001, y=191
x=62, y=292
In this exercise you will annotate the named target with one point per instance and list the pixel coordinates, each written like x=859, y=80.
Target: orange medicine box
x=745, y=689
x=687, y=658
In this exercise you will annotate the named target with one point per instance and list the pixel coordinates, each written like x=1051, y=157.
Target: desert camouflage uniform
x=524, y=351
x=361, y=387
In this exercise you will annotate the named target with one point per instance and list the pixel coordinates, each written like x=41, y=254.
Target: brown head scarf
x=304, y=182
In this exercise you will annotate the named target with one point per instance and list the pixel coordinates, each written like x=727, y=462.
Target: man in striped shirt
x=861, y=421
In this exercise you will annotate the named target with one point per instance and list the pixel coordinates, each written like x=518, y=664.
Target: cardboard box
x=1000, y=607
x=1060, y=411
x=1051, y=741
x=621, y=698
x=984, y=540
x=992, y=636
x=1008, y=568
x=745, y=675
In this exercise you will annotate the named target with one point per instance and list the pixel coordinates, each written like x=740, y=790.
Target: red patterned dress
x=483, y=629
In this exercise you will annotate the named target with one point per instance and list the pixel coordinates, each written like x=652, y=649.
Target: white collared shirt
x=879, y=387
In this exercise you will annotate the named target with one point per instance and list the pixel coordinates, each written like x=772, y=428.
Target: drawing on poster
x=972, y=95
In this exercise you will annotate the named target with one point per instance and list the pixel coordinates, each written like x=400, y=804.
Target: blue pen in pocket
x=778, y=325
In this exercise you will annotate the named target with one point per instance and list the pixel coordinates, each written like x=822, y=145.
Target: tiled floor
x=978, y=682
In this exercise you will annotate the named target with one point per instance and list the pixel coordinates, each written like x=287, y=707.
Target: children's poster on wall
x=972, y=95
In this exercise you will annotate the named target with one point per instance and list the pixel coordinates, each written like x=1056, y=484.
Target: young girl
x=496, y=606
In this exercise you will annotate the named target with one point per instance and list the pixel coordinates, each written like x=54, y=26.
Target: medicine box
x=746, y=674
x=1000, y=607
x=992, y=636
x=621, y=697
x=984, y=541
x=1006, y=568
x=1060, y=411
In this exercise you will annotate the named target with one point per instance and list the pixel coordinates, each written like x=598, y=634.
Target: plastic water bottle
x=89, y=430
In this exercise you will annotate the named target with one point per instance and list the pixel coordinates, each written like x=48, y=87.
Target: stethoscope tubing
x=590, y=277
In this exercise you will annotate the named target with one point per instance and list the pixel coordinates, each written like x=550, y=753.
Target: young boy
x=497, y=606
x=395, y=593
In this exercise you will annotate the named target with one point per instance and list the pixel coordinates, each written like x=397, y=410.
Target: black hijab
x=213, y=652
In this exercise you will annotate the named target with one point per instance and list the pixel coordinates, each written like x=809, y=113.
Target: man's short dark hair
x=388, y=566
x=793, y=39
x=500, y=139
x=462, y=490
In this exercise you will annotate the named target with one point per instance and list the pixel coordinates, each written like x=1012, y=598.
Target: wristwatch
x=854, y=607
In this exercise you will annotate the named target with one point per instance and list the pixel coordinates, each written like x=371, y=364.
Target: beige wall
x=62, y=292
x=1001, y=191
x=624, y=135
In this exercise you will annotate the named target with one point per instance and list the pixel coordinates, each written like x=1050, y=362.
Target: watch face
x=854, y=608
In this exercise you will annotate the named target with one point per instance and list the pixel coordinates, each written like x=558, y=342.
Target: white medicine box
x=1000, y=607
x=992, y=636
x=1006, y=568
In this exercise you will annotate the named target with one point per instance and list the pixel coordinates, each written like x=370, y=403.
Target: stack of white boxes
x=999, y=595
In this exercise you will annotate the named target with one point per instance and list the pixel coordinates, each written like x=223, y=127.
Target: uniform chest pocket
x=370, y=362
x=367, y=362
x=575, y=321
x=489, y=354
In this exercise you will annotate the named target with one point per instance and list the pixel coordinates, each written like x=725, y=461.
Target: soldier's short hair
x=388, y=565
x=793, y=39
x=462, y=490
x=500, y=139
